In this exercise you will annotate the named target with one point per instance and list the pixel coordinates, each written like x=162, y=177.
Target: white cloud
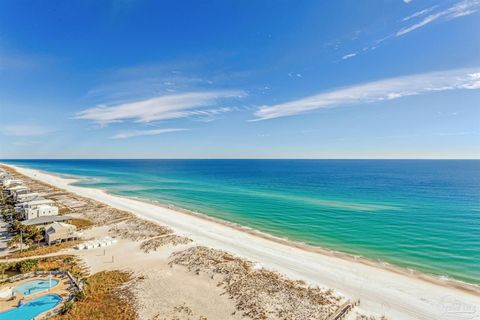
x=26, y=130
x=138, y=133
x=298, y=75
x=387, y=89
x=348, y=56
x=419, y=13
x=184, y=105
x=407, y=1
x=460, y=9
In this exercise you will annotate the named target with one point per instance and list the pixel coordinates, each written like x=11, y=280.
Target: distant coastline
x=400, y=214
x=436, y=279
x=376, y=284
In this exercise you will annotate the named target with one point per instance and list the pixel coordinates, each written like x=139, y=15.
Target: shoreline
x=296, y=260
x=438, y=279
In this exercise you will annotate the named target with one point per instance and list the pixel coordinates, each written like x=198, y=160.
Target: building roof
x=45, y=206
x=9, y=180
x=23, y=195
x=45, y=220
x=59, y=226
x=18, y=188
x=39, y=202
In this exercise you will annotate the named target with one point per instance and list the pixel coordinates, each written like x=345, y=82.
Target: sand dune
x=382, y=290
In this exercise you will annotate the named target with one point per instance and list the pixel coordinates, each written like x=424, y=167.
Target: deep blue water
x=421, y=214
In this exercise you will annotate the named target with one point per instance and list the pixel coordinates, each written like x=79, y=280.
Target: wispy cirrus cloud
x=419, y=13
x=459, y=9
x=387, y=89
x=138, y=86
x=419, y=19
x=349, y=56
x=139, y=133
x=26, y=130
x=165, y=107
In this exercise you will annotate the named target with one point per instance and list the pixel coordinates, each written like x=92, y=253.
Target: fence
x=344, y=309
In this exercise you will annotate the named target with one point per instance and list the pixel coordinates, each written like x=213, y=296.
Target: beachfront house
x=44, y=222
x=9, y=182
x=40, y=211
x=3, y=176
x=27, y=197
x=37, y=208
x=34, y=203
x=19, y=192
x=21, y=206
x=18, y=189
x=59, y=231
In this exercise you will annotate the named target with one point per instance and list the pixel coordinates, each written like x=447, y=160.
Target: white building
x=27, y=197
x=19, y=192
x=40, y=211
x=29, y=208
x=19, y=189
x=32, y=203
x=9, y=182
x=4, y=175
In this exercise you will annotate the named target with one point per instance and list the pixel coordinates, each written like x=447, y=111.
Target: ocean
x=418, y=214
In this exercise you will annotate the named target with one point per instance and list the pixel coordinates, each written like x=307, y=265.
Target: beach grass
x=60, y=262
x=81, y=224
x=41, y=250
x=104, y=297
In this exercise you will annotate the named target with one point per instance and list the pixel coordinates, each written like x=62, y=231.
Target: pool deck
x=63, y=289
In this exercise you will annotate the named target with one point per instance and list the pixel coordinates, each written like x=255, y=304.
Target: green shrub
x=27, y=265
x=79, y=295
x=67, y=306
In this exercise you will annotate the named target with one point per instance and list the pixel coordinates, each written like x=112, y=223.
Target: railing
x=16, y=277
x=344, y=309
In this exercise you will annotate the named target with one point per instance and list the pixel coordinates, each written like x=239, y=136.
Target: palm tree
x=14, y=241
x=3, y=268
x=37, y=236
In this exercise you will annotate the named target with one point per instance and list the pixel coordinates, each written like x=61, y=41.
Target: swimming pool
x=32, y=308
x=35, y=286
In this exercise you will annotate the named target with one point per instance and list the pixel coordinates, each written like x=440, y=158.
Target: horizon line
x=218, y=158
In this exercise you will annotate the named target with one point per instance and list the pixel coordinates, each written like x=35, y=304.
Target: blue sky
x=240, y=79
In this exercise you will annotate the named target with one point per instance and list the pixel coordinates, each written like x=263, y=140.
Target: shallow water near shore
x=419, y=214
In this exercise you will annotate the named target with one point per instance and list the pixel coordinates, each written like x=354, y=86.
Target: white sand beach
x=382, y=290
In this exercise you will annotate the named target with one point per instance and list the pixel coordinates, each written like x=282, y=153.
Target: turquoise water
x=35, y=286
x=32, y=309
x=420, y=214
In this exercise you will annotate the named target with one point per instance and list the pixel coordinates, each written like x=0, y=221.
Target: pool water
x=32, y=309
x=35, y=286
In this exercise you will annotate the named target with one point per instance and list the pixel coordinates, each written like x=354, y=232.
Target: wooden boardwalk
x=343, y=310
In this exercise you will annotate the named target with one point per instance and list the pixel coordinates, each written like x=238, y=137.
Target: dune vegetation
x=104, y=297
